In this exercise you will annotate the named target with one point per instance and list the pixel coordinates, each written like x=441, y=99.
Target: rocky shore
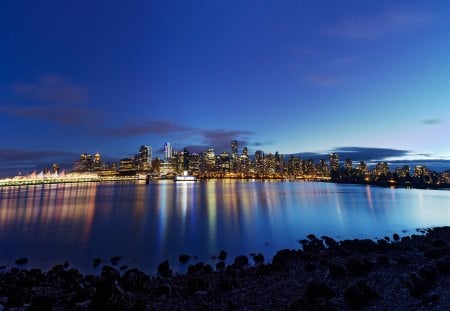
x=408, y=273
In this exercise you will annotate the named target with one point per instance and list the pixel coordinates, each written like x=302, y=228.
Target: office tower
x=167, y=151
x=144, y=158
x=234, y=147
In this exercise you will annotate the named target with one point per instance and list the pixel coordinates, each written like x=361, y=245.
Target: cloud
x=150, y=127
x=52, y=88
x=60, y=115
x=369, y=154
x=432, y=121
x=374, y=27
x=51, y=98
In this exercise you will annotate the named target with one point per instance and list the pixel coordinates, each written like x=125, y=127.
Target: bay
x=146, y=224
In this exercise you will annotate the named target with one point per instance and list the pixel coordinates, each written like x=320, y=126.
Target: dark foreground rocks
x=409, y=273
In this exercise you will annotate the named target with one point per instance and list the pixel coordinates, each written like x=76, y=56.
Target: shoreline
x=412, y=272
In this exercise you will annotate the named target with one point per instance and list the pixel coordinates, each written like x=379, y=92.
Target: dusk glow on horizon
x=292, y=76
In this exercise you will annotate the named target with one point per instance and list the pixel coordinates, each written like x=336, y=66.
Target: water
x=145, y=224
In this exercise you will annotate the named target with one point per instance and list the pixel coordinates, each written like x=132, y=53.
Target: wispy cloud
x=369, y=154
x=432, y=121
x=51, y=98
x=374, y=27
x=52, y=88
x=158, y=127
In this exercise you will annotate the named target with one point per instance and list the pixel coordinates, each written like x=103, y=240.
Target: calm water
x=145, y=224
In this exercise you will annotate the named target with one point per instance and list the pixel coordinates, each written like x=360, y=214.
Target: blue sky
x=287, y=76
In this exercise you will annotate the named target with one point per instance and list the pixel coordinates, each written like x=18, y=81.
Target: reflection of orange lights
x=44, y=206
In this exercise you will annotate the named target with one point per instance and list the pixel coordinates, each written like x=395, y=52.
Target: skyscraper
x=167, y=151
x=234, y=147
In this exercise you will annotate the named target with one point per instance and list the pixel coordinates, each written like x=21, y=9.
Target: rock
x=315, y=290
x=135, y=281
x=311, y=236
x=222, y=255
x=336, y=271
x=66, y=264
x=403, y=261
x=199, y=268
x=383, y=259
x=184, y=258
x=109, y=273
x=417, y=286
x=367, y=290
x=220, y=266
x=331, y=243
x=21, y=261
x=196, y=284
x=241, y=261
x=258, y=258
x=164, y=269
x=163, y=290
x=396, y=237
x=310, y=267
x=16, y=297
x=43, y=302
x=427, y=272
x=96, y=262
x=387, y=238
x=108, y=296
x=443, y=265
x=357, y=266
x=83, y=294
x=437, y=252
x=429, y=299
x=354, y=296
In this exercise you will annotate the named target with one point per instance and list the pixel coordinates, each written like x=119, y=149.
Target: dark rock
x=220, y=266
x=428, y=272
x=355, y=297
x=163, y=290
x=199, y=268
x=222, y=255
x=263, y=269
x=336, y=271
x=258, y=258
x=282, y=257
x=405, y=239
x=311, y=236
x=437, y=242
x=310, y=267
x=16, y=297
x=41, y=303
x=443, y=265
x=383, y=246
x=83, y=294
x=66, y=264
x=21, y=261
x=304, y=241
x=315, y=290
x=396, y=237
x=387, y=238
x=241, y=261
x=123, y=267
x=196, y=284
x=225, y=284
x=417, y=285
x=134, y=280
x=96, y=262
x=429, y=299
x=358, y=267
x=110, y=273
x=437, y=252
x=184, y=258
x=383, y=259
x=367, y=290
x=331, y=243
x=403, y=261
x=164, y=269
x=108, y=296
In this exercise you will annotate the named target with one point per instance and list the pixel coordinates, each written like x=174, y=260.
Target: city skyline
x=293, y=77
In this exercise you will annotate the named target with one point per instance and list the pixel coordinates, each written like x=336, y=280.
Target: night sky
x=363, y=77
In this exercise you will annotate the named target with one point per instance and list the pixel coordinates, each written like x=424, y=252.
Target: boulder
x=21, y=261
x=443, y=265
x=222, y=255
x=315, y=290
x=184, y=258
x=164, y=269
x=241, y=261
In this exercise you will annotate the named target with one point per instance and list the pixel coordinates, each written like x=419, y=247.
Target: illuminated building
x=348, y=164
x=224, y=162
x=84, y=164
x=234, y=156
x=269, y=164
x=194, y=164
x=334, y=166
x=126, y=166
x=382, y=168
x=234, y=147
x=97, y=165
x=144, y=158
x=259, y=162
x=294, y=167
x=55, y=168
x=185, y=159
x=168, y=152
x=209, y=162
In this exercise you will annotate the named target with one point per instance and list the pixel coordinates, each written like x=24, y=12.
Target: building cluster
x=236, y=164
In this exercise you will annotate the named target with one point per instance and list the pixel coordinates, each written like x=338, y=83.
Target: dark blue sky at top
x=287, y=76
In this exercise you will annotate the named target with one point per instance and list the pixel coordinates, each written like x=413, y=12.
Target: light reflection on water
x=146, y=224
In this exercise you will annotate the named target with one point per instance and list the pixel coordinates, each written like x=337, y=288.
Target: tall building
x=185, y=159
x=234, y=147
x=144, y=158
x=167, y=151
x=334, y=166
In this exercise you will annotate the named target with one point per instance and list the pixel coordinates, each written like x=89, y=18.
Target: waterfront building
x=334, y=164
x=259, y=162
x=84, y=164
x=225, y=162
x=185, y=159
x=144, y=158
x=382, y=168
x=194, y=163
x=167, y=151
x=209, y=162
x=126, y=166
